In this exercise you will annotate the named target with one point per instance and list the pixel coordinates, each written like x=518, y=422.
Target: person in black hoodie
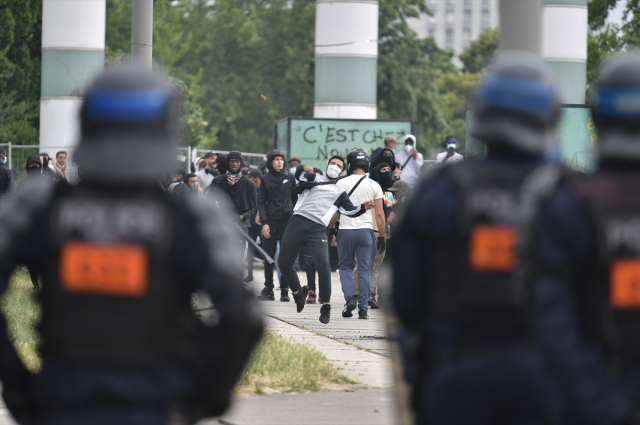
x=379, y=174
x=34, y=171
x=240, y=189
x=275, y=202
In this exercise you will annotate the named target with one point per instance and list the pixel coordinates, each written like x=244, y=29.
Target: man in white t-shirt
x=450, y=156
x=356, y=238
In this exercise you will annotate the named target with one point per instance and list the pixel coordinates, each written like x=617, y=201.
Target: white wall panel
x=347, y=29
x=345, y=111
x=564, y=33
x=73, y=24
x=59, y=121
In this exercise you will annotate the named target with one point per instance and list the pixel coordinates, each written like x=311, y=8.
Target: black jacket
x=275, y=196
x=7, y=183
x=242, y=196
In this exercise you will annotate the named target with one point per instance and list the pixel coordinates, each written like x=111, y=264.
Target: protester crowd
x=276, y=197
x=266, y=198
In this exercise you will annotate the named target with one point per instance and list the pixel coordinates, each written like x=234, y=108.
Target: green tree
x=480, y=52
x=610, y=39
x=20, y=41
x=408, y=72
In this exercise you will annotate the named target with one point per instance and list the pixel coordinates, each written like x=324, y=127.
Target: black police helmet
x=129, y=126
x=616, y=109
x=358, y=158
x=516, y=105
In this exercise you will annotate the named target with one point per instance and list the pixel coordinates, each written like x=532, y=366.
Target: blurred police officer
x=584, y=241
x=466, y=332
x=120, y=260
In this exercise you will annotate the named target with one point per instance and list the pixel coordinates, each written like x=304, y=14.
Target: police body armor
x=608, y=291
x=472, y=285
x=107, y=253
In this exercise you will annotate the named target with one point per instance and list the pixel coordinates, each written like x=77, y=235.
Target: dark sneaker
x=266, y=295
x=301, y=297
x=373, y=302
x=311, y=299
x=362, y=314
x=325, y=313
x=351, y=305
x=249, y=278
x=284, y=295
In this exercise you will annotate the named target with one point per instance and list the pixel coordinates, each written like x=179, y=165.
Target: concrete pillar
x=346, y=59
x=564, y=46
x=520, y=25
x=72, y=55
x=142, y=32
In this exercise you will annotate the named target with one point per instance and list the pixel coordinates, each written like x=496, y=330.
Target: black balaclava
x=33, y=170
x=391, y=160
x=385, y=180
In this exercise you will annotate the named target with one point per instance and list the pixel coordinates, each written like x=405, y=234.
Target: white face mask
x=333, y=171
x=451, y=146
x=408, y=148
x=292, y=170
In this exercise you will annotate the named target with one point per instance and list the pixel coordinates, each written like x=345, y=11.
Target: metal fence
x=17, y=157
x=252, y=158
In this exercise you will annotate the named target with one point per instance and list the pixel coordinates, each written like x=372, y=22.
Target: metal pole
x=10, y=156
x=520, y=26
x=142, y=32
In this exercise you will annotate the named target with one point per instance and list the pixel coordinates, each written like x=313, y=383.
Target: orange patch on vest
x=112, y=270
x=492, y=249
x=625, y=284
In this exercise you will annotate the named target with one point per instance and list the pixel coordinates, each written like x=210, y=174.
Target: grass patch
x=22, y=311
x=278, y=364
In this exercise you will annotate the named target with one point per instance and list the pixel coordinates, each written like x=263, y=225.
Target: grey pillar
x=520, y=25
x=142, y=32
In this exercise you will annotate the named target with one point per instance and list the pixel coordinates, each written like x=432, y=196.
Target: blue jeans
x=360, y=242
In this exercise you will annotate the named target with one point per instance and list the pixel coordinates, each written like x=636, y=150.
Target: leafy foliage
x=480, y=52
x=610, y=39
x=20, y=41
x=240, y=65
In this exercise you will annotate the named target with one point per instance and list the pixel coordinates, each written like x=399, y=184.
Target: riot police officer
x=120, y=261
x=581, y=239
x=469, y=350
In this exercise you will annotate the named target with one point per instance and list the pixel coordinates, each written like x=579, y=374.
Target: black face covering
x=385, y=176
x=387, y=160
x=33, y=171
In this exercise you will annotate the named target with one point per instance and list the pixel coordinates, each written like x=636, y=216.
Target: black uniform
x=470, y=351
x=581, y=239
x=120, y=261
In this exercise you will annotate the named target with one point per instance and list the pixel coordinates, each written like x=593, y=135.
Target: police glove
x=382, y=244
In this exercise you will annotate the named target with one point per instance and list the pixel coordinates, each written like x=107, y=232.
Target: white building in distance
x=455, y=24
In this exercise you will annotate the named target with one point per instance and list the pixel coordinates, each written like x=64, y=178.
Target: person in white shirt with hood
x=410, y=161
